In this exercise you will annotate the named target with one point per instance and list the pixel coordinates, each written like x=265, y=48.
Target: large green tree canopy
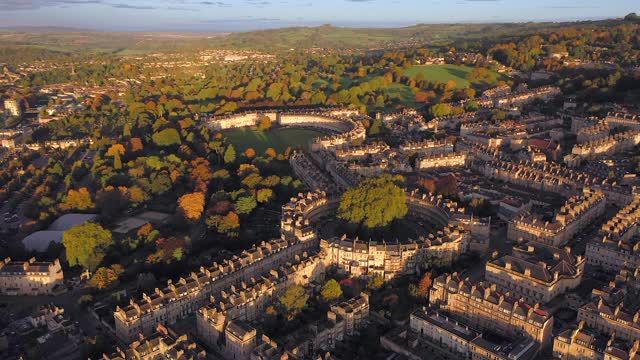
x=375, y=202
x=86, y=245
x=167, y=137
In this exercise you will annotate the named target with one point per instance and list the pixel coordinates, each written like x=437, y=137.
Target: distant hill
x=70, y=41
x=328, y=36
x=126, y=43
x=41, y=29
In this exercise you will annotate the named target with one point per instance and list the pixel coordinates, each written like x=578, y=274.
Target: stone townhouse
x=30, y=277
x=617, y=244
x=223, y=323
x=444, y=160
x=186, y=295
x=429, y=328
x=164, y=343
x=358, y=258
x=585, y=343
x=536, y=273
x=611, y=318
x=483, y=306
x=577, y=212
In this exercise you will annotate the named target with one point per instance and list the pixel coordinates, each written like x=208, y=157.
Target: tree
x=264, y=195
x=375, y=202
x=135, y=145
x=161, y=183
x=230, y=154
x=375, y=282
x=231, y=221
x=111, y=202
x=85, y=299
x=167, y=137
x=192, y=205
x=293, y=300
x=414, y=292
x=245, y=205
x=137, y=195
x=104, y=278
x=77, y=200
x=227, y=108
x=440, y=110
x=252, y=180
x=221, y=174
x=264, y=123
x=379, y=102
x=117, y=162
x=250, y=153
x=271, y=152
x=271, y=181
x=377, y=127
x=201, y=171
x=471, y=106
x=331, y=290
x=86, y=245
x=116, y=149
x=425, y=285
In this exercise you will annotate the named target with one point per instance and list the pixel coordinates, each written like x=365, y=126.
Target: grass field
x=444, y=73
x=278, y=139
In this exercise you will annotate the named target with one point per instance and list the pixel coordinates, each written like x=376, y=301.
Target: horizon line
x=295, y=24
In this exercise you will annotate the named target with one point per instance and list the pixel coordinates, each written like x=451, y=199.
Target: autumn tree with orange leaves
x=192, y=205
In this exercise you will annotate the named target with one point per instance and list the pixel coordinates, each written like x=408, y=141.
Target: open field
x=442, y=73
x=279, y=138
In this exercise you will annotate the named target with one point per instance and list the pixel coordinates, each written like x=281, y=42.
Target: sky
x=243, y=15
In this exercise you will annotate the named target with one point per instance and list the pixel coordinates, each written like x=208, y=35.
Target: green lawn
x=279, y=138
x=442, y=73
x=402, y=94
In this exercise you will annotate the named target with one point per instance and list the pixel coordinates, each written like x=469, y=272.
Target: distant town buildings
x=13, y=107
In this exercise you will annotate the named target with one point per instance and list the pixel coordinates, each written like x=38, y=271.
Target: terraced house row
x=617, y=244
x=483, y=306
x=186, y=295
x=368, y=258
x=229, y=312
x=577, y=212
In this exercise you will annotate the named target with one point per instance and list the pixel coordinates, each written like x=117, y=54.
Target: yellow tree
x=264, y=123
x=77, y=200
x=270, y=152
x=192, y=205
x=104, y=278
x=116, y=150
